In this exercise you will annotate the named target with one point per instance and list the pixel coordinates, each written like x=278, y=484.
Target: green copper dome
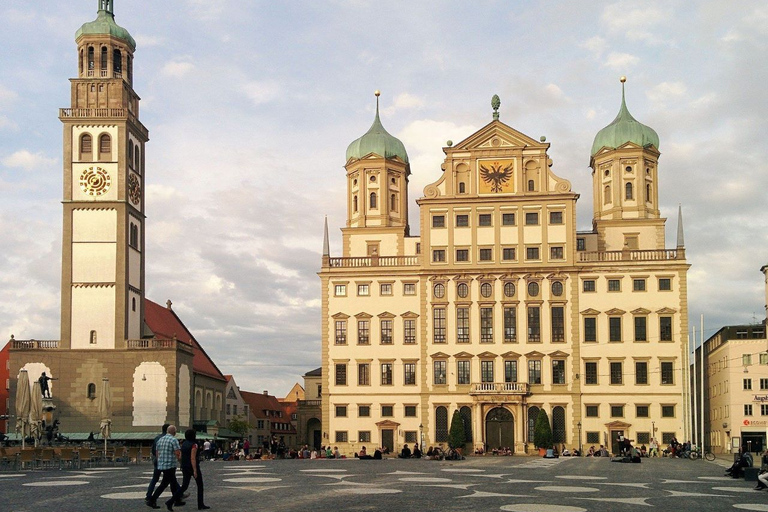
x=623, y=129
x=104, y=24
x=377, y=140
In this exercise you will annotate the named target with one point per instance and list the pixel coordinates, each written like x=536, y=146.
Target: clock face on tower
x=134, y=189
x=95, y=181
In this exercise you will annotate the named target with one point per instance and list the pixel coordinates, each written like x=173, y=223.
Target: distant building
x=235, y=405
x=309, y=412
x=270, y=419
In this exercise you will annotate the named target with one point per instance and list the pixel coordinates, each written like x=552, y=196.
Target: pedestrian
x=207, y=449
x=156, y=472
x=168, y=452
x=762, y=477
x=190, y=468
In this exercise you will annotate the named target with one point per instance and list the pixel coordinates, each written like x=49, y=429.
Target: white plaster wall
x=94, y=226
x=134, y=268
x=532, y=234
x=150, y=394
x=93, y=308
x=34, y=370
x=508, y=235
x=134, y=317
x=439, y=237
x=485, y=236
x=557, y=234
x=185, y=409
x=94, y=262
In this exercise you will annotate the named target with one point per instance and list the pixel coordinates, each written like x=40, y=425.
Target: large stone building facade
x=501, y=308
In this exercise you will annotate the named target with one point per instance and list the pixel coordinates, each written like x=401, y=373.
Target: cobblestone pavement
x=516, y=484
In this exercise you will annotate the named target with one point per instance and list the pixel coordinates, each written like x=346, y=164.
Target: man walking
x=156, y=472
x=168, y=452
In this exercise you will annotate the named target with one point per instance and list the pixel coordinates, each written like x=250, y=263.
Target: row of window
x=507, y=219
x=618, y=411
x=386, y=374
x=746, y=360
x=641, y=438
x=748, y=409
x=232, y=409
x=364, y=289
x=385, y=332
x=373, y=202
x=364, y=436
x=485, y=254
x=439, y=290
x=105, y=150
x=88, y=63
x=364, y=411
x=629, y=193
x=747, y=384
x=639, y=284
x=615, y=376
x=616, y=330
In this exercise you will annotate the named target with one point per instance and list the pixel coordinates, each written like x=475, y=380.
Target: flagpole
x=701, y=390
x=695, y=394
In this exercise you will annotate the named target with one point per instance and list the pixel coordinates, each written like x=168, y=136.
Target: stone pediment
x=439, y=355
x=340, y=316
x=409, y=314
x=363, y=315
x=386, y=314
x=615, y=311
x=559, y=353
x=590, y=312
x=534, y=354
x=486, y=355
x=666, y=311
x=387, y=424
x=640, y=311
x=498, y=135
x=510, y=355
x=618, y=425
x=463, y=355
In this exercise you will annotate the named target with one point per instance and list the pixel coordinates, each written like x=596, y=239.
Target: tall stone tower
x=102, y=293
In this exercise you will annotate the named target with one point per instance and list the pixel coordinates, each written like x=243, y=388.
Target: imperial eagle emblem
x=496, y=176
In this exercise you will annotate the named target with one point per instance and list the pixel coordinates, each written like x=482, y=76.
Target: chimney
x=266, y=393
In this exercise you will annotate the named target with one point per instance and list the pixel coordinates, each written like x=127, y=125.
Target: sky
x=250, y=107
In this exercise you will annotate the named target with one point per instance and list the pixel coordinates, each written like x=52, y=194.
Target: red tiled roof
x=259, y=402
x=165, y=324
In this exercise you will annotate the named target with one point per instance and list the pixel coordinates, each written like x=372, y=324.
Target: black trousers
x=187, y=476
x=169, y=478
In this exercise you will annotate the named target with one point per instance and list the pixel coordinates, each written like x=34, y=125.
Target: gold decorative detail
x=95, y=181
x=134, y=189
x=496, y=176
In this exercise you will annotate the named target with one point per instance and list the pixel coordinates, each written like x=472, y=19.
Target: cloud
x=177, y=69
x=596, y=45
x=637, y=23
x=7, y=96
x=28, y=161
x=149, y=40
x=404, y=101
x=262, y=92
x=666, y=92
x=621, y=61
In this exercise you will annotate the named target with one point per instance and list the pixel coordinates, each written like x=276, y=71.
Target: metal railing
x=628, y=255
x=509, y=388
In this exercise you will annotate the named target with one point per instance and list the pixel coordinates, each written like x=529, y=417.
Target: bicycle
x=696, y=454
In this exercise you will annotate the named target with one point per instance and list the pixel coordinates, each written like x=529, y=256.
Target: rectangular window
x=508, y=219
x=665, y=284
x=532, y=253
x=763, y=409
x=746, y=359
x=640, y=328
x=643, y=438
x=438, y=255
x=385, y=289
x=667, y=372
x=510, y=325
x=462, y=221
x=409, y=288
x=462, y=325
x=590, y=329
x=486, y=371
x=593, y=437
x=534, y=324
x=462, y=254
x=387, y=411
x=556, y=253
x=409, y=331
x=363, y=411
x=363, y=374
x=438, y=315
x=341, y=436
x=590, y=372
x=531, y=219
x=641, y=372
x=558, y=324
x=439, y=370
x=340, y=290
x=363, y=290
x=386, y=332
x=747, y=384
x=667, y=437
x=616, y=373
x=555, y=217
x=747, y=409
x=411, y=436
x=486, y=325
x=438, y=221
x=763, y=358
x=363, y=332
x=581, y=244
x=386, y=374
x=614, y=324
x=228, y=408
x=641, y=411
x=588, y=285
x=508, y=253
x=341, y=374
x=665, y=328
x=614, y=285
x=409, y=374
x=486, y=254
x=667, y=411
x=410, y=411
x=510, y=371
x=341, y=411
x=638, y=285
x=617, y=411
x=341, y=332
x=364, y=436
x=592, y=411
x=558, y=371
x=484, y=219
x=763, y=384
x=534, y=372
x=463, y=372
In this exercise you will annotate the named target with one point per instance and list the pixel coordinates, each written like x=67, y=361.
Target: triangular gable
x=559, y=353
x=510, y=355
x=640, y=311
x=340, y=316
x=618, y=424
x=387, y=424
x=666, y=311
x=590, y=312
x=439, y=355
x=386, y=314
x=534, y=354
x=486, y=355
x=463, y=355
x=615, y=311
x=497, y=135
x=363, y=315
x=409, y=314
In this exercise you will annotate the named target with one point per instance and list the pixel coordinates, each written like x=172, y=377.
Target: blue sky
x=251, y=105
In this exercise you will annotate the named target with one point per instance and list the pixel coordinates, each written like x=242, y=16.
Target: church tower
x=103, y=225
x=624, y=162
x=377, y=193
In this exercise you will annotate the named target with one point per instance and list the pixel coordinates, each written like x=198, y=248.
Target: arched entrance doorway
x=499, y=429
x=314, y=433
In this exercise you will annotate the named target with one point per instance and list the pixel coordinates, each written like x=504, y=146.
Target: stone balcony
x=629, y=255
x=158, y=344
x=372, y=261
x=509, y=391
x=34, y=344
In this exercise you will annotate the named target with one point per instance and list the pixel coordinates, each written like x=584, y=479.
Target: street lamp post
x=421, y=437
x=580, y=447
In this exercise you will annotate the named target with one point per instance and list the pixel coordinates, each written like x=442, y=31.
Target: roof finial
x=495, y=104
x=326, y=243
x=106, y=5
x=680, y=237
x=377, y=93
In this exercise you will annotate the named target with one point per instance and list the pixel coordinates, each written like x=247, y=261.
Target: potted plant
x=542, y=433
x=456, y=436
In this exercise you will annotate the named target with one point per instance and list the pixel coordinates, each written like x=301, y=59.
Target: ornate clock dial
x=134, y=189
x=95, y=181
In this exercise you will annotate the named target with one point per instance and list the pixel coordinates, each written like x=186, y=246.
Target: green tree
x=457, y=437
x=542, y=431
x=239, y=426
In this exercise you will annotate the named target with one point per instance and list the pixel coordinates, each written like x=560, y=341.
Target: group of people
x=166, y=453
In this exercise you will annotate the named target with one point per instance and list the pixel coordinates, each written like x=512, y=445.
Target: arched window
x=441, y=424
x=647, y=192
x=531, y=186
x=91, y=391
x=91, y=59
x=103, y=60
x=466, y=415
x=558, y=425
x=628, y=193
x=462, y=188
x=607, y=194
x=130, y=153
x=354, y=204
x=130, y=70
x=117, y=63
x=93, y=337
x=105, y=146
x=137, y=159
x=533, y=413
x=86, y=147
x=81, y=63
x=133, y=304
x=393, y=203
x=373, y=201
x=133, y=239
